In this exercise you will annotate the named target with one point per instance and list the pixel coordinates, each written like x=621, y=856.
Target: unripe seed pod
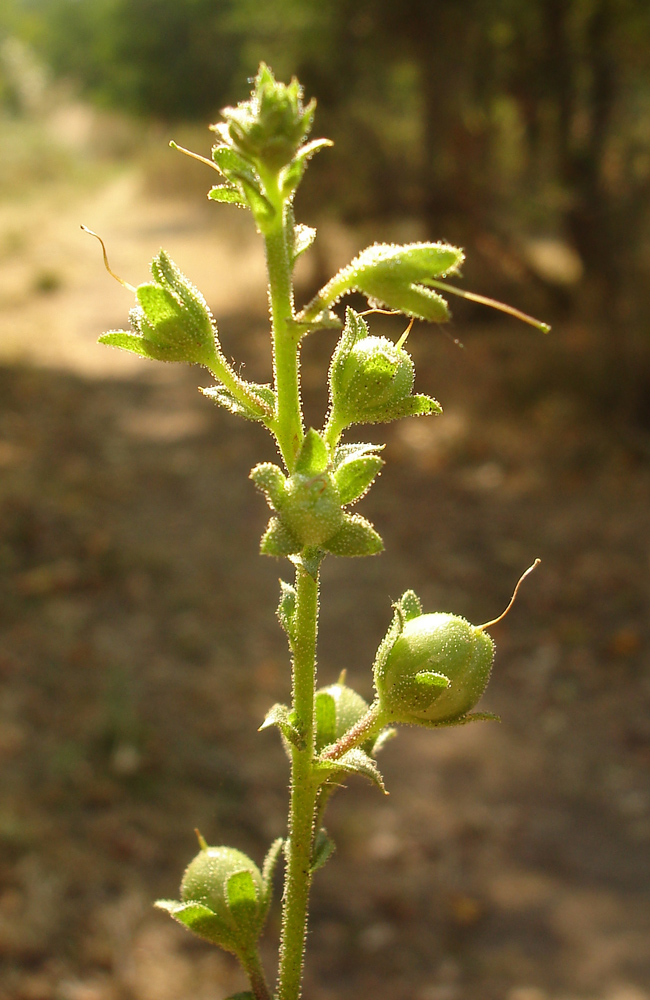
x=312, y=508
x=206, y=881
x=430, y=648
x=369, y=380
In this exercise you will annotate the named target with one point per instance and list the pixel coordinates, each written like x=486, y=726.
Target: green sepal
x=278, y=540
x=392, y=635
x=325, y=719
x=356, y=537
x=413, y=406
x=271, y=481
x=231, y=164
x=223, y=397
x=313, y=457
x=344, y=452
x=410, y=604
x=354, y=761
x=323, y=849
x=424, y=687
x=280, y=716
x=202, y=921
x=354, y=476
x=229, y=194
x=287, y=607
x=460, y=720
x=268, y=871
x=128, y=342
x=241, y=894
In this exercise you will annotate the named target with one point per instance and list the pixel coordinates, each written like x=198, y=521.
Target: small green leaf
x=354, y=762
x=202, y=921
x=280, y=716
x=323, y=850
x=278, y=540
x=271, y=481
x=231, y=164
x=303, y=237
x=228, y=194
x=356, y=537
x=313, y=457
x=355, y=450
x=223, y=397
x=128, y=342
x=354, y=476
x=287, y=607
x=325, y=718
x=410, y=604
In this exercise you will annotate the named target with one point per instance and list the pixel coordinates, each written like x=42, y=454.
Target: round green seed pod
x=370, y=379
x=206, y=881
x=349, y=707
x=312, y=508
x=428, y=646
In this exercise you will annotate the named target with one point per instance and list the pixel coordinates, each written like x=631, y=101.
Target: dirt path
x=139, y=652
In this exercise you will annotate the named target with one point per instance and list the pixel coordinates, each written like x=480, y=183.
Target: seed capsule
x=436, y=670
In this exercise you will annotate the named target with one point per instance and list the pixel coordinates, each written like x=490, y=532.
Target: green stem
x=286, y=335
x=303, y=790
x=222, y=371
x=253, y=969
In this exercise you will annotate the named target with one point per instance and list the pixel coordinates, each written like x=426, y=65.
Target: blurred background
x=138, y=645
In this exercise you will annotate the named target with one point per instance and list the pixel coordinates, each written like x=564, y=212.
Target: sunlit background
x=138, y=646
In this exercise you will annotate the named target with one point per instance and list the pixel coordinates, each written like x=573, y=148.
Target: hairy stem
x=286, y=338
x=303, y=790
x=367, y=726
x=253, y=969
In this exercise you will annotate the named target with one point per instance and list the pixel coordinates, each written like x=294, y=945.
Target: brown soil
x=139, y=653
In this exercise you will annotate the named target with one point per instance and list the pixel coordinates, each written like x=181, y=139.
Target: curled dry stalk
x=430, y=669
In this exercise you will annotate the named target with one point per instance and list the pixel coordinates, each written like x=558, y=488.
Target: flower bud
x=369, y=380
x=435, y=671
x=172, y=321
x=269, y=127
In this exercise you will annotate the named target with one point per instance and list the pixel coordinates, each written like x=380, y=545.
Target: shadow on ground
x=139, y=653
